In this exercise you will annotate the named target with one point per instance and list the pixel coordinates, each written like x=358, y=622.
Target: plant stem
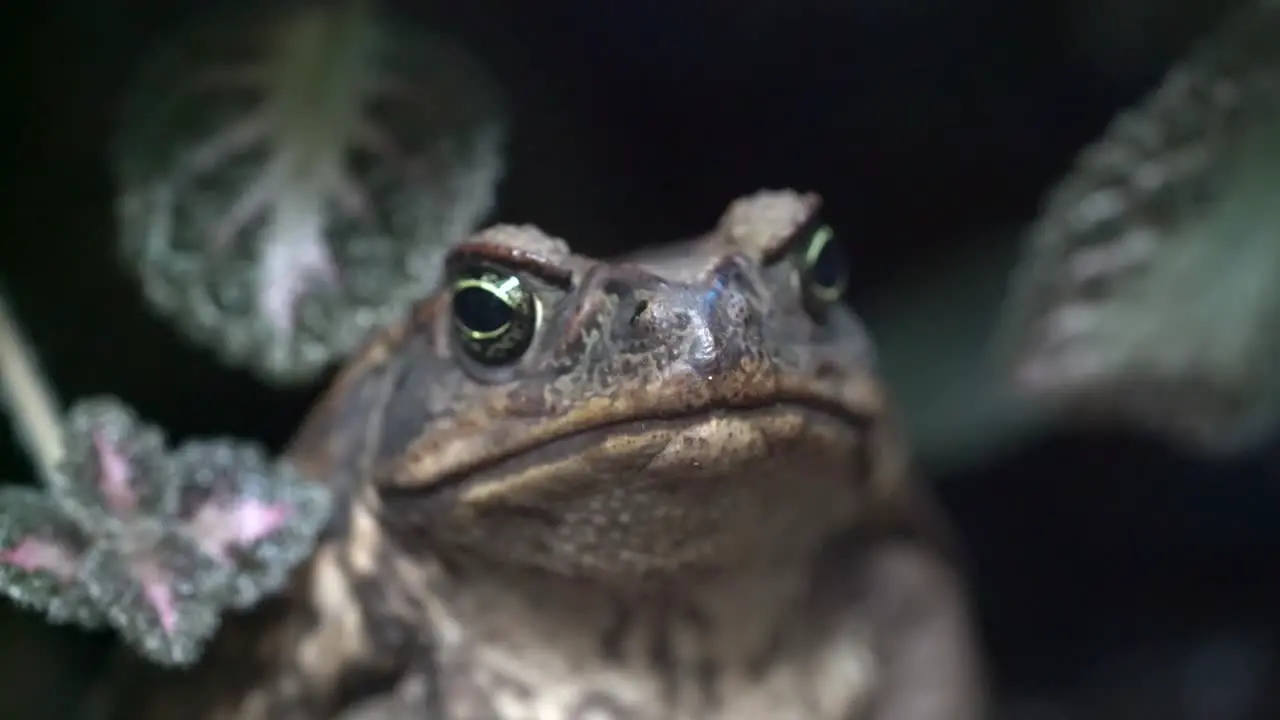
x=33, y=408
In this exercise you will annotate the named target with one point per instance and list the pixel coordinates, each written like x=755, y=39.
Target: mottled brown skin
x=687, y=499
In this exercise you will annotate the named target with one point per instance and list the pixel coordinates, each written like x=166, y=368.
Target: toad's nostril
x=641, y=308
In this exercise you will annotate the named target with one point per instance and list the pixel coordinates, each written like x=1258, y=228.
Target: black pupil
x=481, y=310
x=828, y=267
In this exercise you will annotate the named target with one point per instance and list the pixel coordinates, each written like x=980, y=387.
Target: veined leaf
x=259, y=517
x=115, y=468
x=42, y=559
x=1149, y=291
x=163, y=596
x=291, y=179
x=156, y=542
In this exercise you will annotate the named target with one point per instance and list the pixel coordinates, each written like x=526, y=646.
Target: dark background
x=1113, y=575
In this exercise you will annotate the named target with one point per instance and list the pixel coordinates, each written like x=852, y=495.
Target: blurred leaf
x=114, y=467
x=1147, y=292
x=289, y=179
x=42, y=557
x=160, y=591
x=260, y=517
x=157, y=543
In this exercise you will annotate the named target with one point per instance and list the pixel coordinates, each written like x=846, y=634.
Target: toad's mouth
x=622, y=443
x=652, y=495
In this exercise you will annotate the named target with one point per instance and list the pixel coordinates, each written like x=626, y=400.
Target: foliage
x=152, y=541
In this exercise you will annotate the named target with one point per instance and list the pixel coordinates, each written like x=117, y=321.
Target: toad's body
x=661, y=488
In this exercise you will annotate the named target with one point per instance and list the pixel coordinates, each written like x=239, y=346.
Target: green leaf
x=42, y=559
x=115, y=467
x=261, y=519
x=156, y=543
x=1147, y=292
x=162, y=597
x=290, y=179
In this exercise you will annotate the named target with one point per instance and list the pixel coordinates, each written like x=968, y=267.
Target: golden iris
x=824, y=270
x=495, y=314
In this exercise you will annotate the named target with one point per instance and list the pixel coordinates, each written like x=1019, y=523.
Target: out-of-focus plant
x=128, y=533
x=290, y=177
x=1148, y=291
x=287, y=180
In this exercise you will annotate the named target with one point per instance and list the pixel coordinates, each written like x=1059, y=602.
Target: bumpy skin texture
x=686, y=499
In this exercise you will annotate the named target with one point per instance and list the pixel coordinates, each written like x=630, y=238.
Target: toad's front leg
x=931, y=664
x=339, y=639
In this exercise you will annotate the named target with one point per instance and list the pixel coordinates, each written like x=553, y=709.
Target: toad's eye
x=495, y=314
x=824, y=268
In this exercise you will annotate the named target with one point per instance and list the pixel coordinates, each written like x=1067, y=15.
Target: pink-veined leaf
x=158, y=543
x=115, y=466
x=161, y=595
x=257, y=517
x=42, y=558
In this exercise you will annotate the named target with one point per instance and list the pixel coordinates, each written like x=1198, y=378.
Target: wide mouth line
x=860, y=420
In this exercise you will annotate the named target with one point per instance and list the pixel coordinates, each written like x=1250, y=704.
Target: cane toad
x=666, y=486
